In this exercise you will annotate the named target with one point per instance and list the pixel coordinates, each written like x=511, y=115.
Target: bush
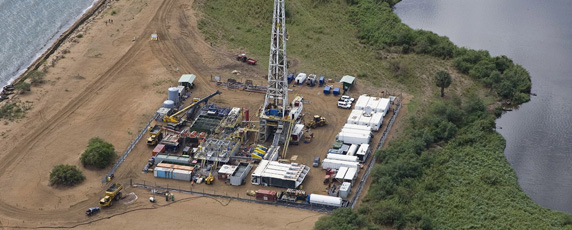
x=342, y=218
x=99, y=153
x=22, y=87
x=36, y=77
x=67, y=175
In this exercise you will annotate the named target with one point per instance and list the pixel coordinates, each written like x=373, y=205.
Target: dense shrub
x=342, y=219
x=66, y=175
x=98, y=153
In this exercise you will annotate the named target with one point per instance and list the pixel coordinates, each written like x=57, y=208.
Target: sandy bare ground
x=108, y=85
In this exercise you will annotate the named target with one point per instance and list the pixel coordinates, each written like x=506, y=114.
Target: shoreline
x=89, y=13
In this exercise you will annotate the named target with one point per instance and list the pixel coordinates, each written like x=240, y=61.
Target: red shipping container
x=160, y=148
x=265, y=195
x=166, y=165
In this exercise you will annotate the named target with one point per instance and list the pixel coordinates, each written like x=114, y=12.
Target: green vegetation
x=66, y=175
x=14, y=110
x=22, y=87
x=447, y=170
x=443, y=80
x=99, y=153
x=36, y=77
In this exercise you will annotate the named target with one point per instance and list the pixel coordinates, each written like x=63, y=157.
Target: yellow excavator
x=175, y=117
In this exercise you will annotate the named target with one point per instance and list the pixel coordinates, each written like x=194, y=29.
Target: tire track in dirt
x=23, y=149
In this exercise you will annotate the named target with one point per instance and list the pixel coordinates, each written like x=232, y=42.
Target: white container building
x=365, y=120
x=354, y=117
x=363, y=152
x=340, y=157
x=361, y=102
x=341, y=174
x=183, y=175
x=345, y=189
x=350, y=175
x=353, y=138
x=357, y=131
x=383, y=105
x=325, y=200
x=336, y=164
x=353, y=126
x=376, y=121
x=274, y=173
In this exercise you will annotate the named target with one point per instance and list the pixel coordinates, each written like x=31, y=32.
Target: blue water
x=537, y=35
x=30, y=27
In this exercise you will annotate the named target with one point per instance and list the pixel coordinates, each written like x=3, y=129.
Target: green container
x=338, y=144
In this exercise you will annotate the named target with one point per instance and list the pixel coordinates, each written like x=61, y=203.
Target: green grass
x=447, y=170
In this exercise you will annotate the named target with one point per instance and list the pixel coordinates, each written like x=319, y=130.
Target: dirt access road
x=109, y=84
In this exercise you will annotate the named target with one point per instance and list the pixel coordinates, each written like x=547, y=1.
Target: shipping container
x=182, y=175
x=336, y=164
x=383, y=105
x=351, y=175
x=356, y=131
x=163, y=172
x=290, y=78
x=160, y=148
x=352, y=138
x=354, y=117
x=184, y=167
x=165, y=165
x=342, y=157
x=335, y=151
x=353, y=126
x=327, y=90
x=322, y=80
x=265, y=195
x=365, y=120
x=325, y=200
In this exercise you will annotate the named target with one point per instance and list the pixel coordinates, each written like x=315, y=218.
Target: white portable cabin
x=353, y=138
x=325, y=200
x=353, y=126
x=363, y=152
x=376, y=121
x=357, y=131
x=354, y=117
x=183, y=175
x=336, y=164
x=361, y=102
x=300, y=78
x=365, y=120
x=352, y=150
x=345, y=189
x=350, y=175
x=340, y=157
x=341, y=174
x=383, y=105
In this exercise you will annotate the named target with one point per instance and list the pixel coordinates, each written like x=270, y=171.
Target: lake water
x=30, y=27
x=537, y=35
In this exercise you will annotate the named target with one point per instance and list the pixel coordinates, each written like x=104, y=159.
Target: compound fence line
x=126, y=153
x=372, y=162
x=305, y=206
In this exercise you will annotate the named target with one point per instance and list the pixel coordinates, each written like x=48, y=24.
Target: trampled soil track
x=21, y=150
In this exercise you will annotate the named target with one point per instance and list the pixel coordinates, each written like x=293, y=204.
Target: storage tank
x=325, y=200
x=173, y=95
x=169, y=104
x=246, y=115
x=352, y=150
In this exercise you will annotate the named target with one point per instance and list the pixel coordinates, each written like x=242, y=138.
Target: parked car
x=92, y=211
x=346, y=98
x=316, y=162
x=344, y=104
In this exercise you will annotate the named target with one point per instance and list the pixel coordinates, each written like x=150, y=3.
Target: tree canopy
x=99, y=153
x=443, y=80
x=66, y=175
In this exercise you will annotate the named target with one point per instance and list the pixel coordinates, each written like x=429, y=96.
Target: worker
x=167, y=196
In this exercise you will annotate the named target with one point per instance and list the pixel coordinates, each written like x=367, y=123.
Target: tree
x=99, y=153
x=443, y=80
x=342, y=218
x=66, y=175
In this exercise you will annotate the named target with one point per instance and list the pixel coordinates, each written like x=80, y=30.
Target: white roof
x=354, y=126
x=341, y=173
x=227, y=169
x=362, y=102
x=350, y=174
x=363, y=149
x=284, y=171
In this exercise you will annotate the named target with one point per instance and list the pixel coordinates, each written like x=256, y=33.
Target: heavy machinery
x=244, y=58
x=318, y=121
x=311, y=81
x=210, y=179
x=175, y=117
x=111, y=194
x=155, y=134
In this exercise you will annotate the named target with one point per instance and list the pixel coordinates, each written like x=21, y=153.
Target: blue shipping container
x=327, y=89
x=336, y=91
x=322, y=78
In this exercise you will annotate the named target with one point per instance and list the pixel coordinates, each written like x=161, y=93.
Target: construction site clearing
x=196, y=145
